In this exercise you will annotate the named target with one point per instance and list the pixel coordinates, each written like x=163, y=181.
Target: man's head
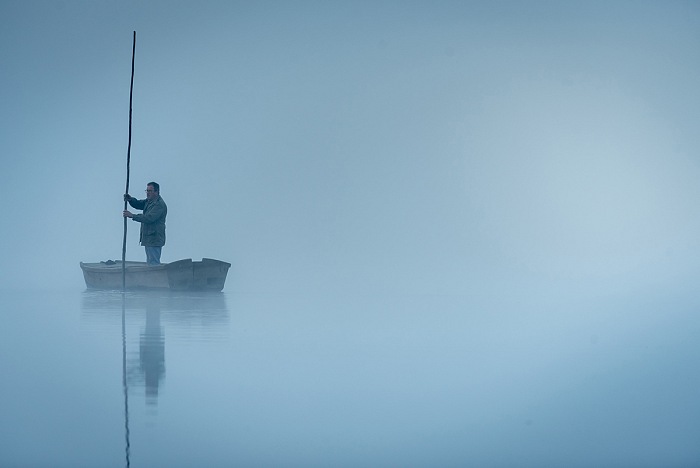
x=152, y=190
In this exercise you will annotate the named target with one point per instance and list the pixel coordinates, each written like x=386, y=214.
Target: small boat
x=205, y=275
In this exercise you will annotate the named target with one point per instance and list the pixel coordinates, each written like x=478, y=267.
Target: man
x=152, y=221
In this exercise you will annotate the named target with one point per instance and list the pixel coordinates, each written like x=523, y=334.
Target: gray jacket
x=152, y=220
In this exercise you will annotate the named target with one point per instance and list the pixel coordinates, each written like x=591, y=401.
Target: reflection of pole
x=124, y=384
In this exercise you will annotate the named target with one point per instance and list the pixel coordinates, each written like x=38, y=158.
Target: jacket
x=152, y=220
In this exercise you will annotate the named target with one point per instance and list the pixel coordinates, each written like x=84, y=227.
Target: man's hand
x=128, y=214
x=127, y=197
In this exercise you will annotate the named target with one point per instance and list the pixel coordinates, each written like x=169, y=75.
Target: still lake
x=101, y=379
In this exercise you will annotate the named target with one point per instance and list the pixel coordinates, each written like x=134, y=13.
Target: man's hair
x=155, y=186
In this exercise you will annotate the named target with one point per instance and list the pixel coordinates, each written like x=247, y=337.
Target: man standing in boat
x=152, y=221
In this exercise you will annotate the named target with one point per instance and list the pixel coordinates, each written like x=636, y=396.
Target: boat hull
x=205, y=275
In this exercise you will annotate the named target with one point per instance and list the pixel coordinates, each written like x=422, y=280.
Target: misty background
x=431, y=147
x=459, y=231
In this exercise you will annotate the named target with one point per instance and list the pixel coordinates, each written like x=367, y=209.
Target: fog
x=372, y=146
x=539, y=159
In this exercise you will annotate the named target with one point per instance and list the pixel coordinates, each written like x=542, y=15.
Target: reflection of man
x=152, y=352
x=152, y=221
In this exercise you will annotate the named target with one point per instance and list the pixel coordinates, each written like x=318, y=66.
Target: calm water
x=511, y=379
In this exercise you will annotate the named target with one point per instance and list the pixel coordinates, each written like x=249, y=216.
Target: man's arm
x=154, y=214
x=138, y=204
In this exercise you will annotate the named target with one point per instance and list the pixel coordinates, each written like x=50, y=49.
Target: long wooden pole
x=128, y=161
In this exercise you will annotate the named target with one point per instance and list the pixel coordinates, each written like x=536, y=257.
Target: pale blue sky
x=370, y=146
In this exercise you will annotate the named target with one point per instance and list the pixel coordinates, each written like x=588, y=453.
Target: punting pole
x=128, y=161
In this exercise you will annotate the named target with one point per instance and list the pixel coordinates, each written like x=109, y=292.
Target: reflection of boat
x=184, y=313
x=205, y=275
x=197, y=305
x=188, y=310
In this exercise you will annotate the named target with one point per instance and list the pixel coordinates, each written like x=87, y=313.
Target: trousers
x=153, y=255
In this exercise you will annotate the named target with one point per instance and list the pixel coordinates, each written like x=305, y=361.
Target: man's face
x=150, y=193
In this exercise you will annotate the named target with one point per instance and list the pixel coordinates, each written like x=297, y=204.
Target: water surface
x=93, y=378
